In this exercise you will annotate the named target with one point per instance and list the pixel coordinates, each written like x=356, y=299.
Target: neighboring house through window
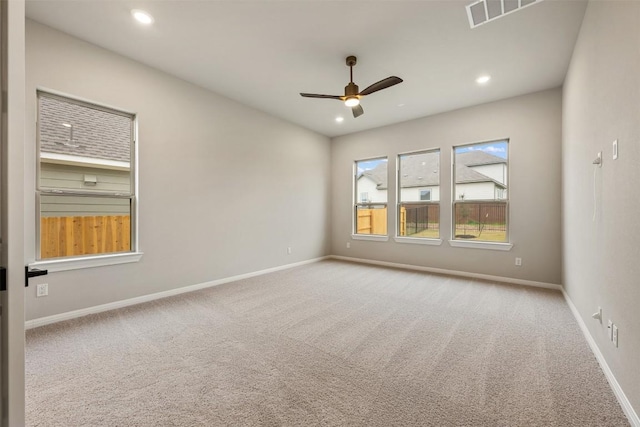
x=85, y=188
x=419, y=194
x=370, y=210
x=481, y=192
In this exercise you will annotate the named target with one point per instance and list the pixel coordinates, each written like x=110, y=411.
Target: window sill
x=481, y=245
x=371, y=237
x=418, y=241
x=87, y=261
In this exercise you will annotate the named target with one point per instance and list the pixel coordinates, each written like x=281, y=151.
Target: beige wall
x=601, y=104
x=224, y=189
x=533, y=124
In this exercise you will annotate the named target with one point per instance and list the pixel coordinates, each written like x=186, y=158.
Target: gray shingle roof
x=478, y=158
x=378, y=175
x=423, y=170
x=465, y=175
x=96, y=134
x=420, y=170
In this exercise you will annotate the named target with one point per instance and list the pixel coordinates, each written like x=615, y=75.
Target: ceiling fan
x=351, y=96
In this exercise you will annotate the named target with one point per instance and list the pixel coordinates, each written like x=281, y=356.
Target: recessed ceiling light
x=400, y=105
x=339, y=119
x=483, y=79
x=142, y=16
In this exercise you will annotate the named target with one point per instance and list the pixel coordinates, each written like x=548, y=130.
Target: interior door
x=12, y=138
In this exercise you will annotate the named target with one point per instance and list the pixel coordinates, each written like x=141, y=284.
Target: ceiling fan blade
x=357, y=110
x=314, y=95
x=382, y=84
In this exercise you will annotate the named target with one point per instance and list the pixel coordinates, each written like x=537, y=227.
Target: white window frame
x=356, y=202
x=93, y=260
x=417, y=240
x=483, y=244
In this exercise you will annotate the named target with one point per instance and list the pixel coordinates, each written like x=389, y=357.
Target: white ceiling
x=263, y=53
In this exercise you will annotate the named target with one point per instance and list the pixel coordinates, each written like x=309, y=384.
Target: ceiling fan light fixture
x=352, y=101
x=352, y=93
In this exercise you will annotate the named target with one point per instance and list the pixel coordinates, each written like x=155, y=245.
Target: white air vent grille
x=483, y=11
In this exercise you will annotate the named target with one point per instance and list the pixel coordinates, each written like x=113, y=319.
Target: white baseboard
x=628, y=410
x=452, y=272
x=29, y=324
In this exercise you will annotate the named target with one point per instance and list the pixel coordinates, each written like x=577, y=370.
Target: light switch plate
x=610, y=330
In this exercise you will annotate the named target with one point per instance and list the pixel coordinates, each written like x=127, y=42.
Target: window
x=85, y=186
x=419, y=194
x=480, y=192
x=370, y=211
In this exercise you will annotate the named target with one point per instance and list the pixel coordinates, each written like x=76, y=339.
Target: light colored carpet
x=326, y=344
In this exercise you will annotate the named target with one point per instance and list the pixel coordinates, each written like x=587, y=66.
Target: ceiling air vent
x=483, y=11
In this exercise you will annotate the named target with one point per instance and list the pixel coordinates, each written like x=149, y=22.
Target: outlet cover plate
x=42, y=290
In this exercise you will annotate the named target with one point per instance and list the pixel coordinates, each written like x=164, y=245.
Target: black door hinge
x=3, y=279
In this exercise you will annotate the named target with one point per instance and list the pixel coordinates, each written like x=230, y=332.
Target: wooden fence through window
x=414, y=219
x=372, y=221
x=417, y=218
x=487, y=216
x=84, y=235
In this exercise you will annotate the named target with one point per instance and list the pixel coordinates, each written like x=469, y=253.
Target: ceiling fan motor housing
x=351, y=90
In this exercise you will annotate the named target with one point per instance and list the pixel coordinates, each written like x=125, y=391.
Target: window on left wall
x=85, y=179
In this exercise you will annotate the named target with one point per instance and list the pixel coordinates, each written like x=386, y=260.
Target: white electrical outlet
x=289, y=250
x=42, y=290
x=615, y=335
x=518, y=261
x=348, y=245
x=615, y=149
